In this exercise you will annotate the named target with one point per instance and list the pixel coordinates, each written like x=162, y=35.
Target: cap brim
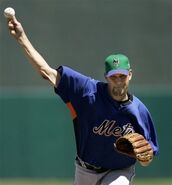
x=117, y=71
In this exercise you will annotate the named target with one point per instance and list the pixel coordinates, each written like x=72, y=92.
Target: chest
x=104, y=117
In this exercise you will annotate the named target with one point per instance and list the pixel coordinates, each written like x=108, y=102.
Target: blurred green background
x=36, y=133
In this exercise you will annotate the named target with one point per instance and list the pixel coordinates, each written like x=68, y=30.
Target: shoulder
x=137, y=107
x=139, y=103
x=75, y=81
x=65, y=70
x=70, y=76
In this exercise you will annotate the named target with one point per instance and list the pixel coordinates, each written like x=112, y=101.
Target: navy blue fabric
x=101, y=120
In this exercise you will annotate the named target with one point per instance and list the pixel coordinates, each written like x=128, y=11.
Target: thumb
x=14, y=20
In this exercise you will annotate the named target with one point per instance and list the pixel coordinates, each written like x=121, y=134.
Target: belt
x=89, y=166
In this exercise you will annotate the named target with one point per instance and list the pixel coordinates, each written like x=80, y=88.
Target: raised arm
x=35, y=59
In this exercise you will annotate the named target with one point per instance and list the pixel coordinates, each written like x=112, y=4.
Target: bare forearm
x=33, y=56
x=35, y=59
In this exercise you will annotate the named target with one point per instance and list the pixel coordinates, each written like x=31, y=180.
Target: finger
x=11, y=25
x=140, y=143
x=12, y=32
x=143, y=149
x=14, y=20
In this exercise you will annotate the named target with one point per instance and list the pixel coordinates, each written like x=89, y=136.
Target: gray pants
x=85, y=176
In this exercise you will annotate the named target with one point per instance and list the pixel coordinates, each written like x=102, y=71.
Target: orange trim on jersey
x=72, y=110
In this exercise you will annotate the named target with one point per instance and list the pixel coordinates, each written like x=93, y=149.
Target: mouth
x=118, y=91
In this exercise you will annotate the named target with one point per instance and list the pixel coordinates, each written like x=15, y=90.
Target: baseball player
x=102, y=112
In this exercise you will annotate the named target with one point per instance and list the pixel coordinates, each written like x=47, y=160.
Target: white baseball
x=9, y=12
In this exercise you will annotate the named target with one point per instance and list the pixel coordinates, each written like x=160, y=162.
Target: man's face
x=118, y=84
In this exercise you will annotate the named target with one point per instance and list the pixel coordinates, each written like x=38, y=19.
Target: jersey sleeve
x=145, y=122
x=149, y=130
x=73, y=85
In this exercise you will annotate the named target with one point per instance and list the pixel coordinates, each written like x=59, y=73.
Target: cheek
x=127, y=83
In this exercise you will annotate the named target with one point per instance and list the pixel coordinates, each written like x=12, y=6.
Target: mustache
x=120, y=87
x=118, y=91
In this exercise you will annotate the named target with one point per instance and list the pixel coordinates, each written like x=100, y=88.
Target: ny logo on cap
x=116, y=62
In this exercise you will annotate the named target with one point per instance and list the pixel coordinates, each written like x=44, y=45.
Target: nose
x=118, y=80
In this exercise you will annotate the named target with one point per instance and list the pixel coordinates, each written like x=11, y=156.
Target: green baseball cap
x=117, y=64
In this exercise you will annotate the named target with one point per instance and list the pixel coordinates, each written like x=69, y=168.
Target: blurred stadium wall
x=36, y=133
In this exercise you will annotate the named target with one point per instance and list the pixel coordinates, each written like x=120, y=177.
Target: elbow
x=44, y=75
x=49, y=76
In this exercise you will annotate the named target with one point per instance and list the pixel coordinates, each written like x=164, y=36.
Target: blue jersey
x=99, y=120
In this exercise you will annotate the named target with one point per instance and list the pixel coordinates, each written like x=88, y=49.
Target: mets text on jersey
x=110, y=127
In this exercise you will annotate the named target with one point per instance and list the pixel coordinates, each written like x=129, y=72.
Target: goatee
x=118, y=91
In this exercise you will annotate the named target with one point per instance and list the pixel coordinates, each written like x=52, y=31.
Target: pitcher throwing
x=102, y=112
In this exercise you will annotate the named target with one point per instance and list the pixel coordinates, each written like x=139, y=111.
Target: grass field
x=156, y=181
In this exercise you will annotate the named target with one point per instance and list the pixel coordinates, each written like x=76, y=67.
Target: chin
x=119, y=93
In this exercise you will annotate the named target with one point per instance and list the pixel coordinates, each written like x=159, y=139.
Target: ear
x=105, y=76
x=130, y=74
